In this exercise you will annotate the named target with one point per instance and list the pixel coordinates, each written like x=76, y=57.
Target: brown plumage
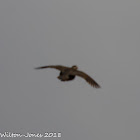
x=69, y=73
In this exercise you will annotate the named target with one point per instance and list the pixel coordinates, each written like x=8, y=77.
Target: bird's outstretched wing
x=58, y=67
x=86, y=77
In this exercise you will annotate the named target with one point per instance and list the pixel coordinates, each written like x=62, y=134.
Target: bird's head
x=75, y=67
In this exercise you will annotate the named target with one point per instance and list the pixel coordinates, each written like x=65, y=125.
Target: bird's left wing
x=58, y=67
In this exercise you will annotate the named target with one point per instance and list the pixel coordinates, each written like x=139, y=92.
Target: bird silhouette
x=69, y=73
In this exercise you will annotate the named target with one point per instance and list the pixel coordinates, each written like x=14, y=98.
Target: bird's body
x=69, y=73
x=66, y=75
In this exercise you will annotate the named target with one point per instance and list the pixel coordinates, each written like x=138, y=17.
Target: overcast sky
x=101, y=37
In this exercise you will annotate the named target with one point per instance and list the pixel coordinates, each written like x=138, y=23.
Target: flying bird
x=69, y=73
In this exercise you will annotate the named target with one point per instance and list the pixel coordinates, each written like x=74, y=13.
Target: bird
x=69, y=73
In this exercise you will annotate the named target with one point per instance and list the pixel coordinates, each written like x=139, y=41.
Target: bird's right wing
x=58, y=67
x=91, y=81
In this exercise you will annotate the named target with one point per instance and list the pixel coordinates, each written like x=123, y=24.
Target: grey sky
x=102, y=37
